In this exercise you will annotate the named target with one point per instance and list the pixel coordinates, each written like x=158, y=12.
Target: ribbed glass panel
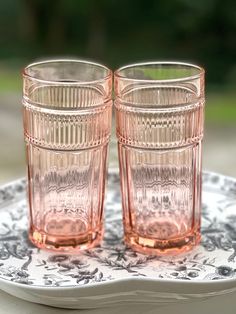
x=67, y=130
x=66, y=193
x=170, y=121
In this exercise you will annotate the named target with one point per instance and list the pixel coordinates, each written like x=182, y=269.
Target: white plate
x=113, y=274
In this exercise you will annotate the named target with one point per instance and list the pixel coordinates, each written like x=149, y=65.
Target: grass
x=220, y=105
x=221, y=108
x=166, y=73
x=10, y=81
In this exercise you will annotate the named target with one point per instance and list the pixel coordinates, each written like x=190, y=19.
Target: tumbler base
x=67, y=244
x=153, y=246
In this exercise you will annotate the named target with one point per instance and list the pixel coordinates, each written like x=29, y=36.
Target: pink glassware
x=67, y=121
x=160, y=120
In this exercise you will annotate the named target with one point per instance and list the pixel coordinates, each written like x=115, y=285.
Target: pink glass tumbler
x=159, y=119
x=67, y=122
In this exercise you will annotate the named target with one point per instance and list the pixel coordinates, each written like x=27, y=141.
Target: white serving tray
x=113, y=274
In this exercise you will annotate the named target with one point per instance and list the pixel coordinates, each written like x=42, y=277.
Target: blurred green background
x=118, y=32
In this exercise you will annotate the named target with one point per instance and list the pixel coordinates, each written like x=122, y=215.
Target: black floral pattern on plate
x=213, y=259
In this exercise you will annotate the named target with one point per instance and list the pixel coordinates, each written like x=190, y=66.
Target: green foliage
x=118, y=32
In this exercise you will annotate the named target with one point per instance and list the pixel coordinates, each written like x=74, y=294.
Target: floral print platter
x=213, y=259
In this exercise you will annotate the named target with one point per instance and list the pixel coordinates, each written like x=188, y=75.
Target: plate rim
x=148, y=280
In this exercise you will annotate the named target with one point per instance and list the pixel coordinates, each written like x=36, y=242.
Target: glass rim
x=25, y=73
x=118, y=75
